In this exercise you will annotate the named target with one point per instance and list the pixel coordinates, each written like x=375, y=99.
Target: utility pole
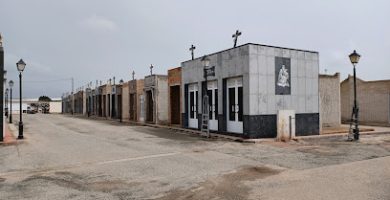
x=2, y=87
x=72, y=95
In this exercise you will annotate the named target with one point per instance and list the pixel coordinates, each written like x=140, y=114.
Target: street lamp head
x=205, y=61
x=354, y=57
x=11, y=83
x=6, y=90
x=20, y=65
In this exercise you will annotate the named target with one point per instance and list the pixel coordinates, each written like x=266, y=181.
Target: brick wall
x=174, y=79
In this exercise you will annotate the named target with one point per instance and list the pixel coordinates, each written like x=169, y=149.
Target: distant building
x=79, y=102
x=373, y=98
x=55, y=105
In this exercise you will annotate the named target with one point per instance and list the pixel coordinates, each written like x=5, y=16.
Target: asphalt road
x=65, y=157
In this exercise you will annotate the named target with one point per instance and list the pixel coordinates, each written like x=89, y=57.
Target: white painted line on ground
x=59, y=168
x=138, y=158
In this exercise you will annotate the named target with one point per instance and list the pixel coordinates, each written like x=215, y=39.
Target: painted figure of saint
x=283, y=77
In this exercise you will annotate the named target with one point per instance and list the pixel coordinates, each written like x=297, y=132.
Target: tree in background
x=44, y=99
x=44, y=103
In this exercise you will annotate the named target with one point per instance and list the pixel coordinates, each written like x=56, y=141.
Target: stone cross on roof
x=1, y=40
x=133, y=74
x=235, y=36
x=151, y=69
x=192, y=51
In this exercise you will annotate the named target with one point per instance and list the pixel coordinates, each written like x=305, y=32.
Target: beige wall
x=84, y=103
x=329, y=90
x=55, y=106
x=135, y=87
x=140, y=92
x=162, y=102
x=125, y=101
x=373, y=99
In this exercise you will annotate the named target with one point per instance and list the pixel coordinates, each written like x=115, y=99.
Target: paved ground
x=64, y=157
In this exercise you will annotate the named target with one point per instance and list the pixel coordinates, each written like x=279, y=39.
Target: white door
x=193, y=105
x=234, y=105
x=212, y=92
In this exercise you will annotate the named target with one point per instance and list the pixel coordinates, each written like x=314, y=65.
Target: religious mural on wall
x=282, y=76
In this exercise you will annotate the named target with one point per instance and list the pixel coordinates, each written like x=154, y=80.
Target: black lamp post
x=354, y=57
x=120, y=101
x=20, y=66
x=88, y=90
x=6, y=102
x=11, y=84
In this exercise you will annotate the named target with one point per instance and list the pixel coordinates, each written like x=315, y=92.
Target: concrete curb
x=221, y=136
x=339, y=135
x=179, y=129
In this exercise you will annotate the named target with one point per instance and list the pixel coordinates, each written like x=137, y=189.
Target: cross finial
x=1, y=40
x=133, y=74
x=151, y=69
x=235, y=36
x=192, y=51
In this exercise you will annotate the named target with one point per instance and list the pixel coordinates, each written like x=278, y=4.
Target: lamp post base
x=356, y=134
x=20, y=136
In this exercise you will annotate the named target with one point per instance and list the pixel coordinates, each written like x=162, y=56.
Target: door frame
x=235, y=126
x=213, y=121
x=193, y=122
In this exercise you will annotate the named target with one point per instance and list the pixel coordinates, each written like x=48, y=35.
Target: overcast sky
x=96, y=40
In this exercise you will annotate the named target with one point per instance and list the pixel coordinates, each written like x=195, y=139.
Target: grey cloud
x=96, y=40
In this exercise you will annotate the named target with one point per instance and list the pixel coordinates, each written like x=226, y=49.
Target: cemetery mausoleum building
x=252, y=84
x=156, y=99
